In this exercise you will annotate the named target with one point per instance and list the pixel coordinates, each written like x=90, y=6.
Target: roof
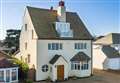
x=110, y=52
x=112, y=38
x=54, y=59
x=80, y=56
x=5, y=63
x=5, y=60
x=43, y=21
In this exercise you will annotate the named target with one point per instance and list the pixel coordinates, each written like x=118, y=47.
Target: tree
x=12, y=40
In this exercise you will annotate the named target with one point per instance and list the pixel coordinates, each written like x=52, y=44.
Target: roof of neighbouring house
x=112, y=38
x=110, y=52
x=43, y=21
x=80, y=56
x=5, y=61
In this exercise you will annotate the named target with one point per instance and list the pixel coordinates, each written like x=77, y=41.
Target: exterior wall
x=67, y=52
x=114, y=64
x=98, y=57
x=26, y=37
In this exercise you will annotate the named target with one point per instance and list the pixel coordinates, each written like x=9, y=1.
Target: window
x=28, y=58
x=80, y=46
x=75, y=65
x=45, y=68
x=14, y=74
x=84, y=66
x=25, y=27
x=7, y=75
x=25, y=45
x=55, y=46
x=32, y=34
x=1, y=76
x=21, y=58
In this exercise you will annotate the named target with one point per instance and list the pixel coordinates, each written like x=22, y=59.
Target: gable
x=43, y=21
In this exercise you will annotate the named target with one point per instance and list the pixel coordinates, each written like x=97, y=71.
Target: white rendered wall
x=68, y=51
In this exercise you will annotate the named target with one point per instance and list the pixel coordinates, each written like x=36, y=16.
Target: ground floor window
x=1, y=75
x=45, y=68
x=8, y=75
x=75, y=65
x=79, y=65
x=84, y=66
x=14, y=74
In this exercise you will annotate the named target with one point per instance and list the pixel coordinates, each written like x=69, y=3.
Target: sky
x=99, y=16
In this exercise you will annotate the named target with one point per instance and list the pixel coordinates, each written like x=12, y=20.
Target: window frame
x=45, y=68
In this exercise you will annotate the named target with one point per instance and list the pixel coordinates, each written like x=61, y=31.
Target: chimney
x=51, y=8
x=61, y=11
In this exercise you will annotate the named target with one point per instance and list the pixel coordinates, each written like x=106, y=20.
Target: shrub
x=23, y=68
x=28, y=81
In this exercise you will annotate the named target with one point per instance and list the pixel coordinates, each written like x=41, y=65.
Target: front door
x=60, y=72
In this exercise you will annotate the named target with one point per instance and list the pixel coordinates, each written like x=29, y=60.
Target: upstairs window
x=25, y=45
x=55, y=46
x=28, y=58
x=80, y=46
x=32, y=34
x=25, y=27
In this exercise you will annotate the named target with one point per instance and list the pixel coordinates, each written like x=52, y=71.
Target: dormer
x=62, y=27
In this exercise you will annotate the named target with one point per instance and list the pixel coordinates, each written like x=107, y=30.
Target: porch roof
x=54, y=59
x=80, y=56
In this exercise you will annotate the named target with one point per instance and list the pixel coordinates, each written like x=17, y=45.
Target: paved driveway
x=98, y=77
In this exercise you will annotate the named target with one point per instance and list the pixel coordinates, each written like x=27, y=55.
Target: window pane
x=60, y=46
x=49, y=46
x=7, y=75
x=1, y=76
x=14, y=74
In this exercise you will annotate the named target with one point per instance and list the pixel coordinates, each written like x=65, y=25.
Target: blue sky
x=99, y=16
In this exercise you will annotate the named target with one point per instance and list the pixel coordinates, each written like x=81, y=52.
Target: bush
x=23, y=68
x=28, y=81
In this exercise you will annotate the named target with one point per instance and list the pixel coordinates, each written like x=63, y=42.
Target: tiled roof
x=54, y=59
x=110, y=52
x=80, y=56
x=43, y=21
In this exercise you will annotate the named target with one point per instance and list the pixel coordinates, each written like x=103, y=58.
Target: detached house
x=55, y=43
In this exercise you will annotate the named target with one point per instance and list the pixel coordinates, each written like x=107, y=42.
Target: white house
x=106, y=52
x=55, y=43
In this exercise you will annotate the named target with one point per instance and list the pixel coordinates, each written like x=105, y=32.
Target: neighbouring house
x=8, y=70
x=106, y=52
x=112, y=39
x=55, y=43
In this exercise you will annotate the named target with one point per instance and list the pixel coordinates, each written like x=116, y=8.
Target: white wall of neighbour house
x=114, y=64
x=44, y=55
x=26, y=37
x=98, y=57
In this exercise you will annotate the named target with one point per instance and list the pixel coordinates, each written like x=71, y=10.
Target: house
x=112, y=39
x=8, y=70
x=55, y=43
x=106, y=52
